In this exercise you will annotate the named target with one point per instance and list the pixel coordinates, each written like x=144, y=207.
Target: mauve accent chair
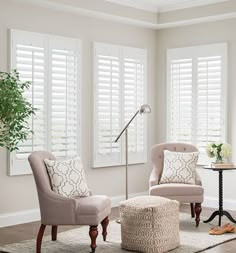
x=184, y=193
x=59, y=210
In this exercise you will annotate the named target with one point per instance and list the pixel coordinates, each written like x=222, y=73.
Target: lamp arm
x=126, y=126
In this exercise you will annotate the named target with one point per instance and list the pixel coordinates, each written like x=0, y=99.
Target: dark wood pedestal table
x=221, y=211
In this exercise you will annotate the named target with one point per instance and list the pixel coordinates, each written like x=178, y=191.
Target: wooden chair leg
x=192, y=210
x=198, y=209
x=39, y=238
x=93, y=233
x=104, y=224
x=54, y=233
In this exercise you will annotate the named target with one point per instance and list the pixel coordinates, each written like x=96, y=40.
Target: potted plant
x=15, y=110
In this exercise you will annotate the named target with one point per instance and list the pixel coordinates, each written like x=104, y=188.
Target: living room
x=154, y=34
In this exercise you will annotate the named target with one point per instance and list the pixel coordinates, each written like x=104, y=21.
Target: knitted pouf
x=149, y=224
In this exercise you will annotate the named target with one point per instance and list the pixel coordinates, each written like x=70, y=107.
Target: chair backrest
x=157, y=154
x=36, y=160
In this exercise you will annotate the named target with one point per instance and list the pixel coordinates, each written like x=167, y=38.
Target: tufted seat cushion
x=92, y=209
x=176, y=189
x=184, y=193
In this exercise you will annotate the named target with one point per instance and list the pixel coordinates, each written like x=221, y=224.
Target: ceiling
x=163, y=5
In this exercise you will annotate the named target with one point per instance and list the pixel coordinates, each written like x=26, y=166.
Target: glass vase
x=219, y=159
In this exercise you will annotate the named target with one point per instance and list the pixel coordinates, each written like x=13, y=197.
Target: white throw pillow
x=179, y=167
x=67, y=177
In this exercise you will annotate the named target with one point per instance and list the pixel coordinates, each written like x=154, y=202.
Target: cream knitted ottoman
x=149, y=224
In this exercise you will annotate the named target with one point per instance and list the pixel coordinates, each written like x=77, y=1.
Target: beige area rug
x=77, y=240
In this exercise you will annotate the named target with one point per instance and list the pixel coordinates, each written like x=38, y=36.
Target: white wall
x=208, y=33
x=19, y=193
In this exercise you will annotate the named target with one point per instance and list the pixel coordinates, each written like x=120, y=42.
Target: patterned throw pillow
x=179, y=167
x=67, y=177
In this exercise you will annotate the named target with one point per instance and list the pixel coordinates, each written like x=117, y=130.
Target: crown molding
x=137, y=5
x=188, y=4
x=196, y=21
x=125, y=20
x=165, y=8
x=89, y=13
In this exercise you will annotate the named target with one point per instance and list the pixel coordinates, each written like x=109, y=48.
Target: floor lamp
x=142, y=110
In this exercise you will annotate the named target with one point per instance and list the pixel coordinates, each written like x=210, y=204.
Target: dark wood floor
x=28, y=231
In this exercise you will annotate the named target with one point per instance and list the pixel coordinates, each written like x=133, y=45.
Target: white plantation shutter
x=210, y=104
x=64, y=115
x=28, y=57
x=120, y=89
x=52, y=65
x=197, y=80
x=107, y=105
x=134, y=80
x=181, y=97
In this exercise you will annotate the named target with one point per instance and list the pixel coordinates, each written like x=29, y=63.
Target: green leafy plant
x=221, y=151
x=15, y=110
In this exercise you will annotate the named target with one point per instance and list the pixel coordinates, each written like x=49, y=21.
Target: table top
x=224, y=167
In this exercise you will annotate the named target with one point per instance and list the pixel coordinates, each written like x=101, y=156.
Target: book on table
x=223, y=165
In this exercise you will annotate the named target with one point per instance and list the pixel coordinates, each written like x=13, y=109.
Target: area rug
x=193, y=240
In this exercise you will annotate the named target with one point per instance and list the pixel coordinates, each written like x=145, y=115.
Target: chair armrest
x=154, y=178
x=57, y=209
x=198, y=180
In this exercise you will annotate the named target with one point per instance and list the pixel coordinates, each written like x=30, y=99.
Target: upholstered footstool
x=149, y=224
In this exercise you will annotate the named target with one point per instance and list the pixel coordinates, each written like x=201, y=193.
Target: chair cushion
x=179, y=167
x=165, y=190
x=93, y=205
x=92, y=210
x=67, y=177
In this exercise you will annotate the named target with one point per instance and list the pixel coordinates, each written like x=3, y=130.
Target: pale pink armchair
x=59, y=210
x=184, y=193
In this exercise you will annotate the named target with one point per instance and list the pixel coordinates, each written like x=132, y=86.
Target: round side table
x=220, y=212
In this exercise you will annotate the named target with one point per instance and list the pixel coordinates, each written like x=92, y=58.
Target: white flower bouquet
x=221, y=151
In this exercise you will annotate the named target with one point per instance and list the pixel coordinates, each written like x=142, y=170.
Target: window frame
x=47, y=38
x=195, y=52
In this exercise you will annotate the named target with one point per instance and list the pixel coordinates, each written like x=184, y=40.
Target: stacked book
x=223, y=165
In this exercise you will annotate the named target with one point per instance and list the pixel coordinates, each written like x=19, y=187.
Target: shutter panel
x=181, y=78
x=53, y=66
x=29, y=59
x=197, y=95
x=107, y=105
x=209, y=102
x=120, y=89
x=64, y=100
x=134, y=94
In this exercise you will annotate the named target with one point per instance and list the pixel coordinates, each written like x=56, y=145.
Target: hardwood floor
x=28, y=231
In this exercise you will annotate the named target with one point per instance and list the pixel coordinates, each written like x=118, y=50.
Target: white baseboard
x=213, y=202
x=10, y=219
